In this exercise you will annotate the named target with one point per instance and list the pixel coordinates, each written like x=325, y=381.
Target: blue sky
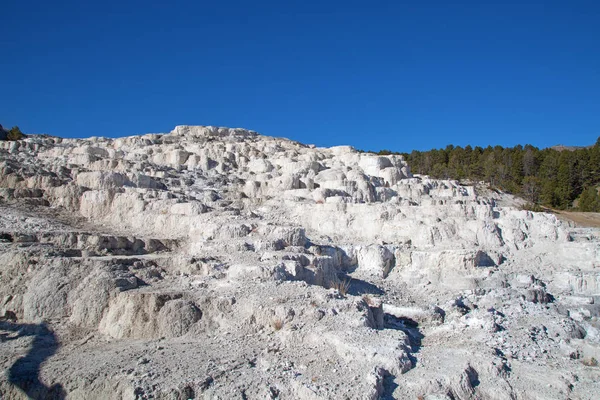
x=378, y=74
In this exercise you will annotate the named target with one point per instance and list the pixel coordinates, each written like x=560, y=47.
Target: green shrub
x=532, y=207
x=15, y=134
x=589, y=200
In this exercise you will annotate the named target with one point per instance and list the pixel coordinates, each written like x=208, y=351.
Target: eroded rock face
x=149, y=316
x=214, y=263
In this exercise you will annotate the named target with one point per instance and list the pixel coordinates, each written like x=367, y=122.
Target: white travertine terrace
x=213, y=263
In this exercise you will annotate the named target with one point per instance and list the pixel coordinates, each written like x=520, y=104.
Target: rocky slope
x=221, y=264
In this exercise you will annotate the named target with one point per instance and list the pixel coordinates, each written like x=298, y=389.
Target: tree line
x=562, y=179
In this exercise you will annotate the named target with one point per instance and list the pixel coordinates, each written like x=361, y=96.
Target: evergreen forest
x=560, y=178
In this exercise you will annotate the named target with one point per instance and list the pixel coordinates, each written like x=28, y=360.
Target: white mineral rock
x=218, y=263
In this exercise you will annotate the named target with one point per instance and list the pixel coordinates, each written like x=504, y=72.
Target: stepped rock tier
x=218, y=263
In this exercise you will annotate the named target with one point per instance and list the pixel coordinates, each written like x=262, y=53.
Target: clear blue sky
x=372, y=74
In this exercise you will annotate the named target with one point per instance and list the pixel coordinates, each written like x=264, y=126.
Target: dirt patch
x=584, y=219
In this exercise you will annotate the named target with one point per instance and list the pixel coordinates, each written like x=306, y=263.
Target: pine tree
x=15, y=134
x=589, y=200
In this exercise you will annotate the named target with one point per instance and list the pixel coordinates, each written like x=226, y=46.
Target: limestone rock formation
x=218, y=263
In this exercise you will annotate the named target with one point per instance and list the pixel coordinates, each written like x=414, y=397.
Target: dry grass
x=369, y=300
x=341, y=286
x=585, y=219
x=590, y=362
x=277, y=323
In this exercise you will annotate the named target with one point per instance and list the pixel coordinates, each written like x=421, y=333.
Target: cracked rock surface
x=217, y=263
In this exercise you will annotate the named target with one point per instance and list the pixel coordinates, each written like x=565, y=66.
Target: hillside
x=218, y=263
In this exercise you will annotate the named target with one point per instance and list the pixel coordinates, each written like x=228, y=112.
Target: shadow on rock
x=25, y=372
x=389, y=386
x=408, y=326
x=358, y=287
